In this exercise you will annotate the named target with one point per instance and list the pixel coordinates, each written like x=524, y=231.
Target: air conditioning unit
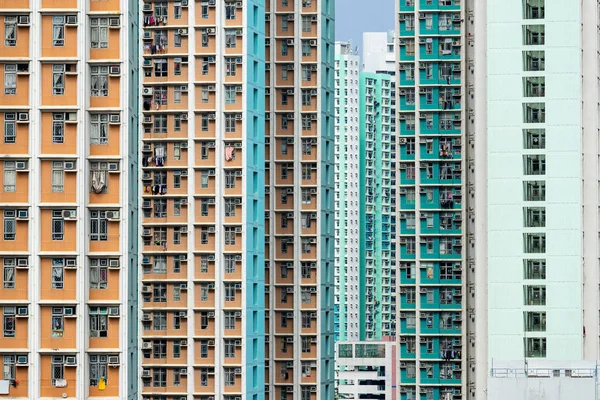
x=22, y=214
x=69, y=214
x=113, y=360
x=114, y=70
x=290, y=17
x=146, y=373
x=147, y=35
x=183, y=314
x=70, y=360
x=183, y=286
x=22, y=311
x=313, y=43
x=71, y=20
x=146, y=345
x=21, y=360
x=147, y=91
x=114, y=22
x=147, y=316
x=23, y=262
x=23, y=117
x=147, y=119
x=23, y=20
x=114, y=263
x=114, y=311
x=69, y=165
x=183, y=371
x=290, y=42
x=182, y=32
x=112, y=215
x=146, y=289
x=183, y=343
x=115, y=119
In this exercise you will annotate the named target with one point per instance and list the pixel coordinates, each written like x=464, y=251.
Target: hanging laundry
x=98, y=180
x=102, y=383
x=229, y=153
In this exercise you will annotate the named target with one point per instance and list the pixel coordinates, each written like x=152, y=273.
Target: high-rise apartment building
x=299, y=200
x=377, y=209
x=69, y=213
x=347, y=200
x=202, y=200
x=141, y=259
x=434, y=251
x=378, y=52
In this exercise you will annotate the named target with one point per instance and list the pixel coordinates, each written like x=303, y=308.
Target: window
x=230, y=264
x=229, y=179
x=306, y=172
x=205, y=41
x=160, y=95
x=159, y=293
x=98, y=322
x=58, y=369
x=160, y=264
x=161, y=10
x=10, y=176
x=535, y=295
x=159, y=349
x=99, y=34
x=98, y=129
x=159, y=320
x=230, y=38
x=229, y=291
x=160, y=123
x=535, y=321
x=9, y=225
x=306, y=48
x=9, y=321
x=58, y=79
x=306, y=122
x=229, y=10
x=58, y=30
x=10, y=79
x=306, y=196
x=58, y=128
x=176, y=349
x=58, y=271
x=161, y=68
x=533, y=269
x=99, y=81
x=98, y=369
x=306, y=23
x=306, y=98
x=230, y=236
x=176, y=207
x=10, y=31
x=230, y=91
x=305, y=344
x=58, y=179
x=177, y=40
x=229, y=376
x=306, y=271
x=160, y=208
x=230, y=66
x=58, y=322
x=229, y=320
x=9, y=365
x=535, y=347
x=176, y=179
x=306, y=73
x=99, y=273
x=284, y=48
x=230, y=207
x=159, y=377
x=98, y=226
x=229, y=348
x=10, y=128
x=535, y=242
x=9, y=273
x=177, y=100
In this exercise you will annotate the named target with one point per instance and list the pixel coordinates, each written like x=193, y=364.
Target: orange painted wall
x=69, y=335
x=70, y=43
x=69, y=242
x=69, y=290
x=46, y=383
x=69, y=195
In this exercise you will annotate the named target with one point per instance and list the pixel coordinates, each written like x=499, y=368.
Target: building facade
x=68, y=122
x=141, y=258
x=369, y=370
x=202, y=196
x=378, y=52
x=299, y=199
x=434, y=251
x=377, y=214
x=347, y=200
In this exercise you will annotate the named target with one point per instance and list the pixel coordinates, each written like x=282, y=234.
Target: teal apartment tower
x=377, y=208
x=433, y=247
x=347, y=200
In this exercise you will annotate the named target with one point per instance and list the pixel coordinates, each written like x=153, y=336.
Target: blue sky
x=353, y=17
